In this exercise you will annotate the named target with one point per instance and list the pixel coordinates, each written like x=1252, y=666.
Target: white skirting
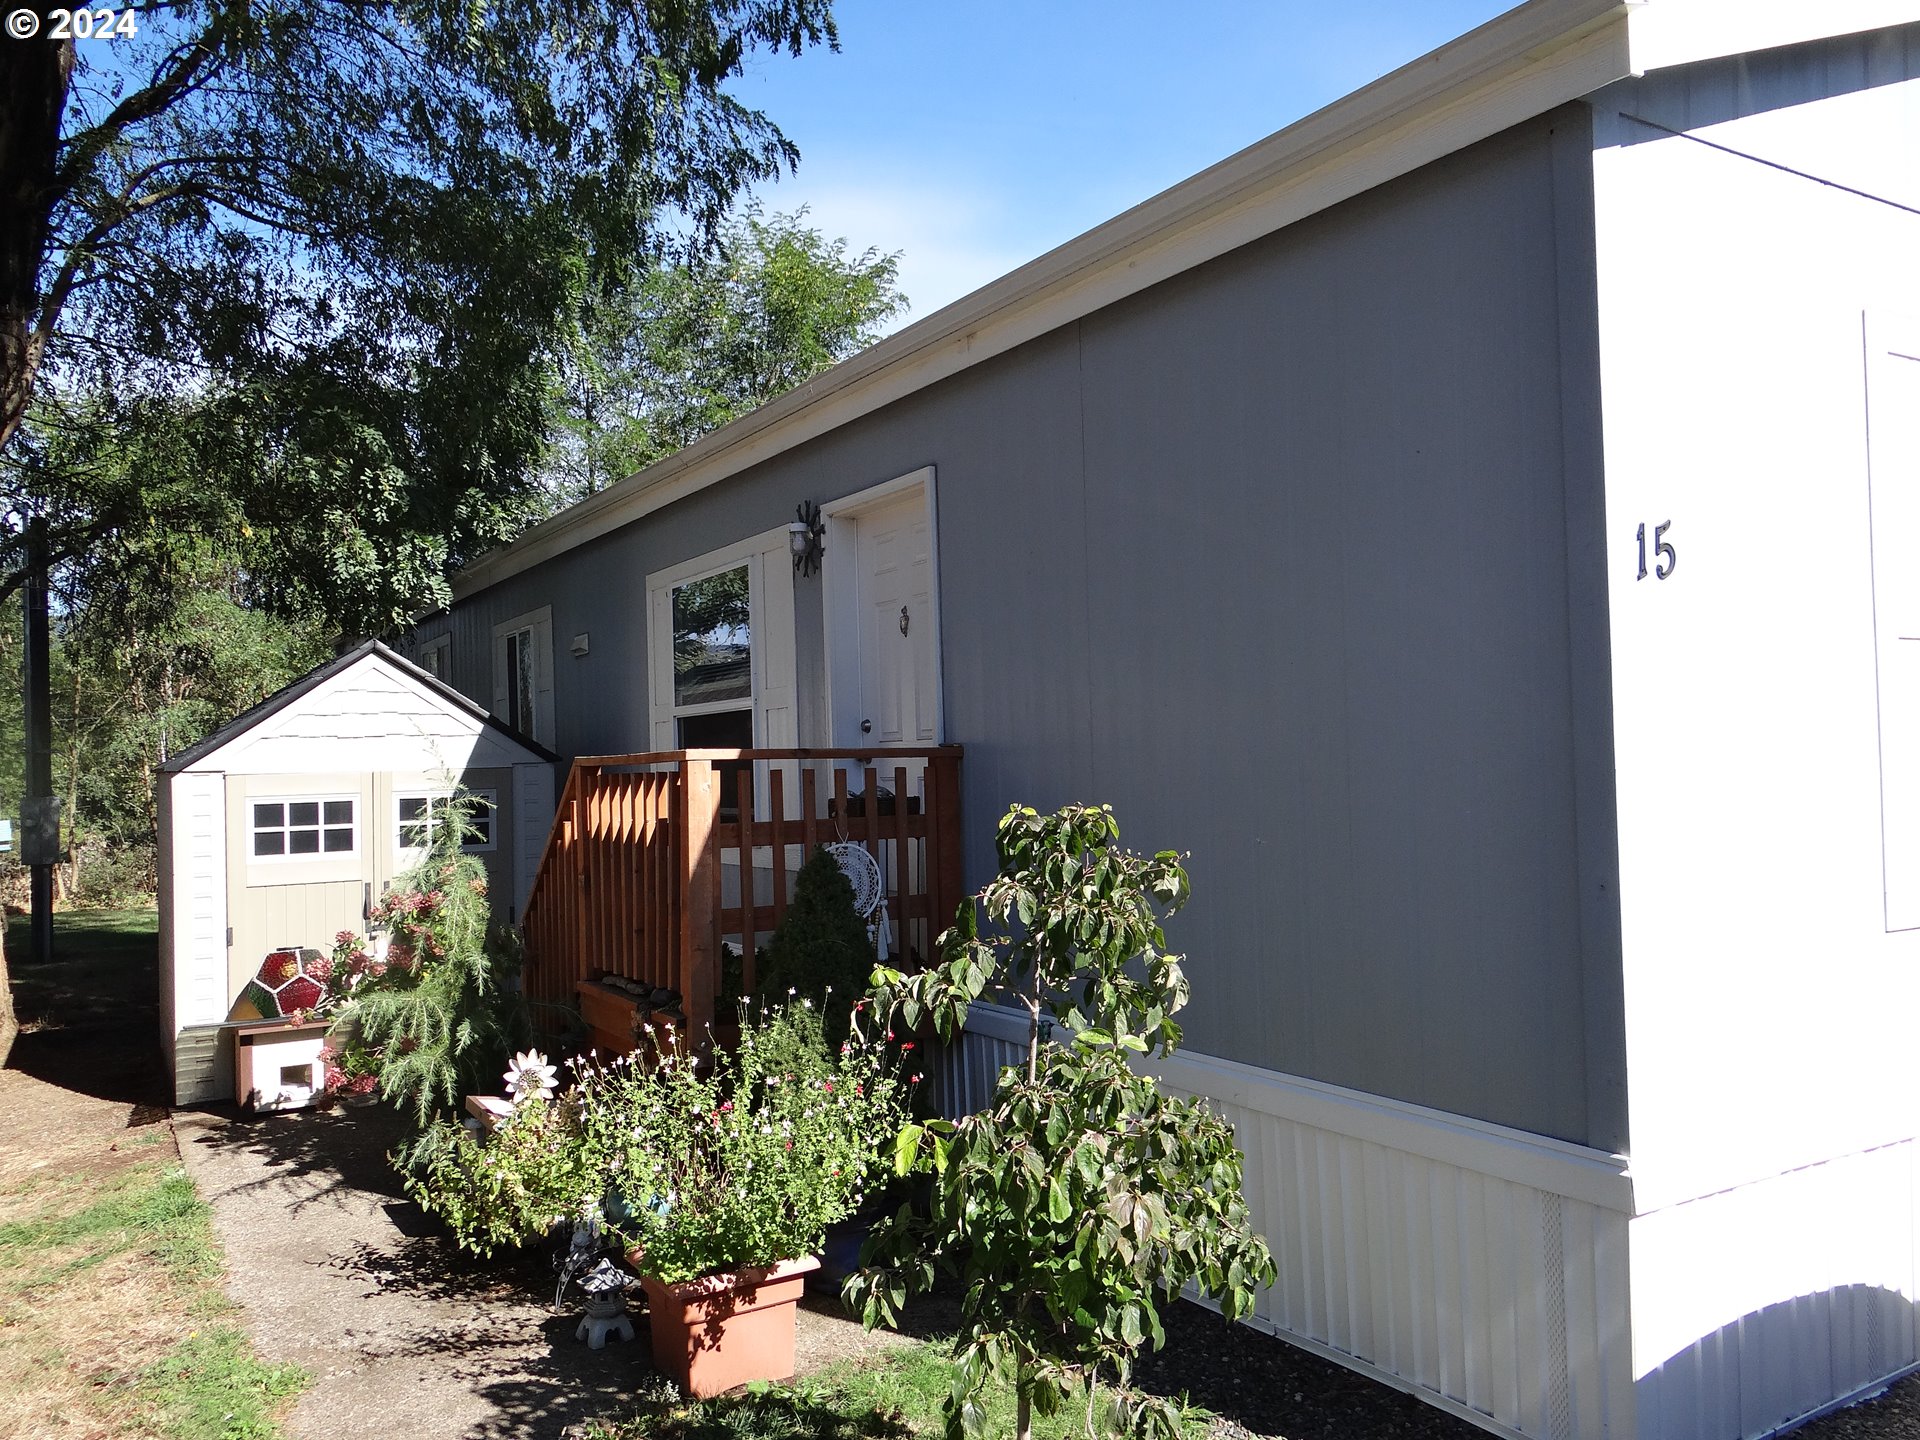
x=1481, y=1268
x=1763, y=1304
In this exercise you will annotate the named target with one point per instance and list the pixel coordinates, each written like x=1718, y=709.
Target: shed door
x=897, y=639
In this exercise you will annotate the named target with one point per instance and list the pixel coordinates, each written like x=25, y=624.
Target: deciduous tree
x=347, y=239
x=696, y=343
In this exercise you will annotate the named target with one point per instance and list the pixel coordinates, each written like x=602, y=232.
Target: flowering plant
x=750, y=1163
x=508, y=1188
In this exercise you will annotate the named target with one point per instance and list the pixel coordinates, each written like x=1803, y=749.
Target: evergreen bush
x=820, y=950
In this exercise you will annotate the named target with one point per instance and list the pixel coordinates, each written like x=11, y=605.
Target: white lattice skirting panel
x=1482, y=1268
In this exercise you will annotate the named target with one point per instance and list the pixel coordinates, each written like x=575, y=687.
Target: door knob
x=866, y=727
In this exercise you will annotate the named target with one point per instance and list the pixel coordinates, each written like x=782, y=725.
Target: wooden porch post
x=699, y=894
x=948, y=882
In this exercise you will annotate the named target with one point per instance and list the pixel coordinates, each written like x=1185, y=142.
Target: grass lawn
x=112, y=1319
x=895, y=1394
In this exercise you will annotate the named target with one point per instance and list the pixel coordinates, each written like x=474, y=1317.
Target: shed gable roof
x=283, y=712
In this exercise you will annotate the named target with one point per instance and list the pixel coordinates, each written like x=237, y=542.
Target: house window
x=293, y=829
x=523, y=674
x=713, y=659
x=520, y=680
x=417, y=817
x=436, y=657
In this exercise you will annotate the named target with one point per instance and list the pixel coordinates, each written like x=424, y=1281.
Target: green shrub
x=1082, y=1200
x=509, y=1188
x=750, y=1164
x=745, y=1164
x=820, y=950
x=112, y=877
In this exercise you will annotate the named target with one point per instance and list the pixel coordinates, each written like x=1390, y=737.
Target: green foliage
x=821, y=949
x=506, y=1189
x=211, y=1386
x=437, y=1009
x=154, y=646
x=110, y=878
x=745, y=1163
x=748, y=1164
x=692, y=344
x=331, y=253
x=891, y=1396
x=1083, y=1199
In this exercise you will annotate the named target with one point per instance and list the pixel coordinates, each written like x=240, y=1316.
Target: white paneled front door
x=897, y=625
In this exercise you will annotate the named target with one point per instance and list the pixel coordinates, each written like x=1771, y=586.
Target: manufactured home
x=1480, y=523
x=282, y=828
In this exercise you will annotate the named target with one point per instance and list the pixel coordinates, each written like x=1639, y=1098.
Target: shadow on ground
x=90, y=1016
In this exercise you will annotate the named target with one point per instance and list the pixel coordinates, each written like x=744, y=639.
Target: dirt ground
x=65, y=1346
x=78, y=1110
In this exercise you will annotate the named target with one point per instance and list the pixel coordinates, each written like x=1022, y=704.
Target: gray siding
x=1276, y=558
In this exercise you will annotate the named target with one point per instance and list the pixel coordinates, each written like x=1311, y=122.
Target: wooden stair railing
x=650, y=869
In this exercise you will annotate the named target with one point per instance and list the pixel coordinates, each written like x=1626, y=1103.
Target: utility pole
x=39, y=811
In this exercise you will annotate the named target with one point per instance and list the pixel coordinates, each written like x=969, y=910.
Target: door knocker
x=903, y=619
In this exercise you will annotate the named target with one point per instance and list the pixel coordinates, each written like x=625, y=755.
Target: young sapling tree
x=1083, y=1199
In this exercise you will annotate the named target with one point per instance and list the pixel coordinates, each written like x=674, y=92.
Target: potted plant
x=728, y=1180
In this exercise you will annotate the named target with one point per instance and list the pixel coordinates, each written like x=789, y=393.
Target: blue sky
x=973, y=135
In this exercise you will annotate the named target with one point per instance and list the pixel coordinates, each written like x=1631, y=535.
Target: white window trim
x=770, y=626
x=311, y=858
x=540, y=622
x=435, y=798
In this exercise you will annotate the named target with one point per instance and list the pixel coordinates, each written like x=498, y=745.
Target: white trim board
x=1539, y=1162
x=770, y=622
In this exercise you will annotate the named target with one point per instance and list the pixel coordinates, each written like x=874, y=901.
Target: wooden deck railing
x=650, y=868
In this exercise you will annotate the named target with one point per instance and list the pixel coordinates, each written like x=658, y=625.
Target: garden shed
x=279, y=830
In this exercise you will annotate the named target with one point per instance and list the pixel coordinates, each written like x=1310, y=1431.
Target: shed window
x=294, y=829
x=416, y=817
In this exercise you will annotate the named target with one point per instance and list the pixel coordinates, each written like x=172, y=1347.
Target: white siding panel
x=1477, y=1282
x=532, y=818
x=196, y=922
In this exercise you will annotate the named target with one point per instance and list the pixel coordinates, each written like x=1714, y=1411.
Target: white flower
x=529, y=1076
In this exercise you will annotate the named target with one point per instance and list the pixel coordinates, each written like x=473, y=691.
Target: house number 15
x=1664, y=558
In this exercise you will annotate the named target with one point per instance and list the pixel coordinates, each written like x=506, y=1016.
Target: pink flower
x=346, y=937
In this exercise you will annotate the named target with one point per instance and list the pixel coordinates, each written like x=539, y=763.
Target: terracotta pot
x=723, y=1330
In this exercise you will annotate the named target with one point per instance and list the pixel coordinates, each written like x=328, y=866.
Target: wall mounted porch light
x=807, y=537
